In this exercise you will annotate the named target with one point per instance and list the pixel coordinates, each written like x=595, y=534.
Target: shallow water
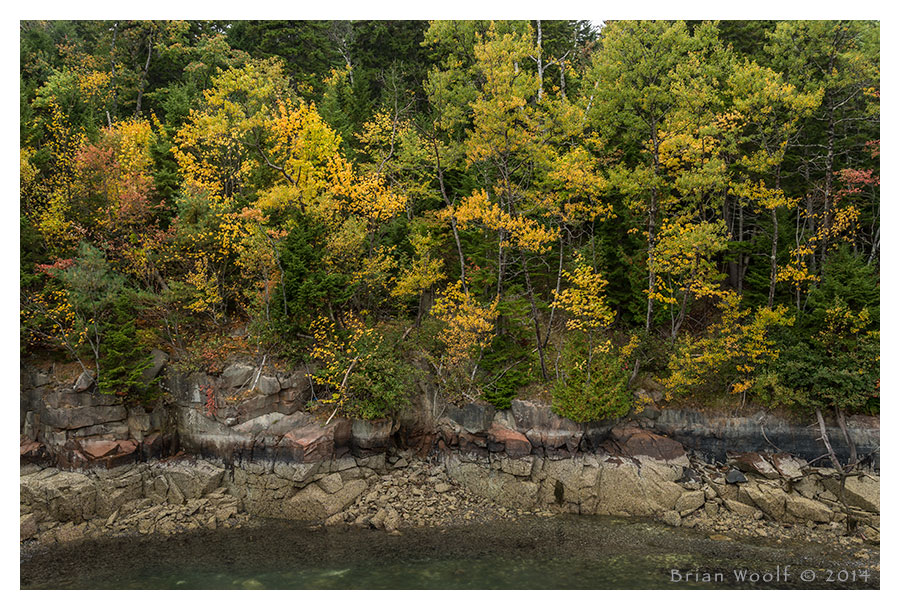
x=564, y=552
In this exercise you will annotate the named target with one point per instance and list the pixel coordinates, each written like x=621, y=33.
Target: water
x=565, y=552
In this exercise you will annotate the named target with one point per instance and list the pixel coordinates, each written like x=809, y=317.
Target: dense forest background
x=510, y=208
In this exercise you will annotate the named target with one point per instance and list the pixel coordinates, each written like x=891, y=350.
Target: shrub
x=594, y=391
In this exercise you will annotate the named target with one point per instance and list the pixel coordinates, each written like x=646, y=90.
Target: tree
x=635, y=73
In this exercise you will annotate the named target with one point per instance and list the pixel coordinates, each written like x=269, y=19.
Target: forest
x=563, y=210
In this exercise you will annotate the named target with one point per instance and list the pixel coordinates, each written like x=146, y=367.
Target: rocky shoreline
x=214, y=454
x=180, y=495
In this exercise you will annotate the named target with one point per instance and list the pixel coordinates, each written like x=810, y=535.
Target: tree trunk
x=651, y=228
x=534, y=317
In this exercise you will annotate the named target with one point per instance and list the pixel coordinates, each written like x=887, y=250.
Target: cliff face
x=245, y=416
x=247, y=446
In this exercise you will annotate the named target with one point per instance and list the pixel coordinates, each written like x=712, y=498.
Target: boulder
x=514, y=443
x=788, y=466
x=371, y=434
x=258, y=425
x=206, y=436
x=861, y=491
x=158, y=359
x=267, y=386
x=473, y=417
x=331, y=483
x=69, y=418
x=315, y=442
x=84, y=382
x=739, y=508
x=28, y=526
x=631, y=441
x=735, y=476
x=236, y=375
x=803, y=509
x=769, y=499
x=313, y=502
x=753, y=462
x=96, y=449
x=689, y=502
x=671, y=517
x=544, y=428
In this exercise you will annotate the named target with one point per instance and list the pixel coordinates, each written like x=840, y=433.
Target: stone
x=391, y=520
x=84, y=382
x=753, y=462
x=442, y=488
x=769, y=499
x=69, y=418
x=735, y=476
x=632, y=441
x=370, y=435
x=236, y=375
x=870, y=534
x=689, y=502
x=474, y=418
x=744, y=510
x=331, y=483
x=313, y=503
x=862, y=491
x=28, y=526
x=315, y=442
x=671, y=517
x=258, y=425
x=158, y=359
x=543, y=428
x=96, y=449
x=194, y=480
x=804, y=509
x=788, y=466
x=712, y=509
x=514, y=443
x=267, y=386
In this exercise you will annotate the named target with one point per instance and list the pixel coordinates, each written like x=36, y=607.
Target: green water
x=553, y=553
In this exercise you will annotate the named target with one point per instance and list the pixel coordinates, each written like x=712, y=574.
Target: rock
x=514, y=443
x=804, y=509
x=788, y=466
x=391, y=520
x=720, y=537
x=473, y=417
x=268, y=386
x=712, y=509
x=771, y=500
x=671, y=517
x=331, y=483
x=96, y=449
x=735, y=476
x=28, y=526
x=158, y=360
x=69, y=418
x=442, y=488
x=259, y=425
x=315, y=442
x=193, y=480
x=313, y=503
x=753, y=462
x=237, y=375
x=544, y=428
x=744, y=510
x=632, y=441
x=870, y=534
x=861, y=491
x=371, y=435
x=689, y=502
x=84, y=382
